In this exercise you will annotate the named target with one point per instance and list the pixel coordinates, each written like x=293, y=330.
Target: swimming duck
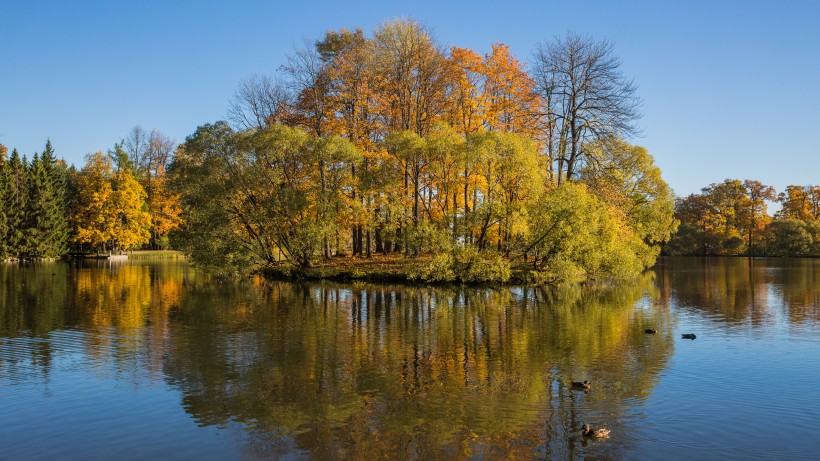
x=650, y=331
x=595, y=433
x=688, y=336
x=581, y=384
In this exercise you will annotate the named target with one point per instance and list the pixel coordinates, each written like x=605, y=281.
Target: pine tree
x=55, y=211
x=3, y=185
x=34, y=216
x=14, y=203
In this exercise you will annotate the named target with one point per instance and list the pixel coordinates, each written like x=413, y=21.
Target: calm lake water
x=153, y=361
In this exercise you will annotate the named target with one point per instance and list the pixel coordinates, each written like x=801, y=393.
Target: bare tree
x=157, y=155
x=260, y=101
x=586, y=98
x=136, y=146
x=310, y=83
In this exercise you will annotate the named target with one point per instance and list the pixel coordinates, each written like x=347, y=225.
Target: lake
x=155, y=361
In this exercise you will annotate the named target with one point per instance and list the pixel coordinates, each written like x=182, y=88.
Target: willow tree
x=251, y=199
x=508, y=178
x=626, y=178
x=575, y=235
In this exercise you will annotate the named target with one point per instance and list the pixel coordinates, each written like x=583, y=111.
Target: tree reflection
x=755, y=290
x=370, y=371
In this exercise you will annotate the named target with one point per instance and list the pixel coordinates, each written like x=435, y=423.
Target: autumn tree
x=510, y=100
x=627, y=179
x=800, y=203
x=726, y=218
x=147, y=155
x=353, y=79
x=131, y=222
x=109, y=210
x=757, y=216
x=92, y=216
x=410, y=66
x=694, y=235
x=250, y=199
x=465, y=95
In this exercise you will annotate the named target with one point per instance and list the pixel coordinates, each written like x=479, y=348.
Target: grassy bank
x=379, y=268
x=156, y=255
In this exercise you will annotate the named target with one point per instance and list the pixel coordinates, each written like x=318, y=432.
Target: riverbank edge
x=354, y=273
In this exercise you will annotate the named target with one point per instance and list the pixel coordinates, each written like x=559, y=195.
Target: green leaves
x=266, y=196
x=577, y=236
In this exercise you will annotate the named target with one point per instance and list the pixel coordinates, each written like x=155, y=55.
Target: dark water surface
x=153, y=361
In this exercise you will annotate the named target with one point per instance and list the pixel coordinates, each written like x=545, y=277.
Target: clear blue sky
x=730, y=88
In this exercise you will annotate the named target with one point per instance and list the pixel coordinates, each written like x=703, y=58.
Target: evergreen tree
x=3, y=186
x=54, y=224
x=14, y=203
x=37, y=193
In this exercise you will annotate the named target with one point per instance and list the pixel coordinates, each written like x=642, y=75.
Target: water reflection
x=757, y=291
x=339, y=371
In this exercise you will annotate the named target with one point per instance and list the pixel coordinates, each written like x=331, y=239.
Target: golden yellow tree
x=511, y=100
x=109, y=209
x=166, y=214
x=131, y=225
x=92, y=218
x=465, y=75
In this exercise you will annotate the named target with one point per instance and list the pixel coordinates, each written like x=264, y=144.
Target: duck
x=581, y=384
x=594, y=433
x=688, y=336
x=650, y=331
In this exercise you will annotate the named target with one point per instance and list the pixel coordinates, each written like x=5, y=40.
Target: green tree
x=15, y=204
x=626, y=177
x=789, y=237
x=46, y=212
x=213, y=231
x=575, y=235
x=253, y=198
x=4, y=179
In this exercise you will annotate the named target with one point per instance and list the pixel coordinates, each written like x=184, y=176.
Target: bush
x=463, y=264
x=438, y=269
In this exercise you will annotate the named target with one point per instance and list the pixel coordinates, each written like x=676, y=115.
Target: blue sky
x=730, y=88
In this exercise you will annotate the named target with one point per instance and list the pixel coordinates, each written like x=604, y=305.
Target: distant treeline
x=117, y=201
x=731, y=218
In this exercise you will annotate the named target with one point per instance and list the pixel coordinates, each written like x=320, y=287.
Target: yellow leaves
x=509, y=92
x=109, y=206
x=166, y=213
x=132, y=224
